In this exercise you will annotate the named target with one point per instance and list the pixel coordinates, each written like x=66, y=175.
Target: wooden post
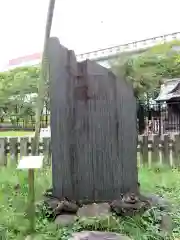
x=155, y=148
x=3, y=155
x=31, y=163
x=46, y=150
x=139, y=152
x=31, y=198
x=13, y=150
x=24, y=147
x=176, y=150
x=166, y=150
x=145, y=149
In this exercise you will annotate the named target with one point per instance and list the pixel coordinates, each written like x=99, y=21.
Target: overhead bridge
x=102, y=56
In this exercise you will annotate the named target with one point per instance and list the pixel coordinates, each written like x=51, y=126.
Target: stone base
x=94, y=210
x=94, y=235
x=65, y=219
x=66, y=212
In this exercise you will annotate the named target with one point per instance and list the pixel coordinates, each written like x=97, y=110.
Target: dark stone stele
x=93, y=129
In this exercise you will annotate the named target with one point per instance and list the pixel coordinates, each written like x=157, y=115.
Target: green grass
x=13, y=205
x=15, y=133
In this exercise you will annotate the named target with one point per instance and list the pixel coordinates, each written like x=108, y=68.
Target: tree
x=18, y=82
x=146, y=71
x=18, y=93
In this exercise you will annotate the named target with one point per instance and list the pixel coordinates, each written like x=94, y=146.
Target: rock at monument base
x=94, y=235
x=94, y=210
x=166, y=223
x=65, y=219
x=52, y=203
x=157, y=201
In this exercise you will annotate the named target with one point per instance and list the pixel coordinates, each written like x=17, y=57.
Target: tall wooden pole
x=43, y=78
x=39, y=110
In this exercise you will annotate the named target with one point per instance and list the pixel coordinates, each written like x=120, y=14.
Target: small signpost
x=31, y=163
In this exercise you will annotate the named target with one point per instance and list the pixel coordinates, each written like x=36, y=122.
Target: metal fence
x=26, y=123
x=162, y=118
x=159, y=118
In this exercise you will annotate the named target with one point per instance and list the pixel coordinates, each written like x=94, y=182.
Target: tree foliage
x=18, y=83
x=147, y=70
x=18, y=92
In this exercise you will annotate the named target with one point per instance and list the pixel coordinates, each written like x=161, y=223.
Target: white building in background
x=27, y=60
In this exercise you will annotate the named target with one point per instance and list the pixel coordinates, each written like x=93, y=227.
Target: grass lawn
x=15, y=133
x=13, y=205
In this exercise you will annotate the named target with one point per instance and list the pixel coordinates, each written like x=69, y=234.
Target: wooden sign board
x=30, y=162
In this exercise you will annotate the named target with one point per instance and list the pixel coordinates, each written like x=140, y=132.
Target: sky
x=83, y=25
